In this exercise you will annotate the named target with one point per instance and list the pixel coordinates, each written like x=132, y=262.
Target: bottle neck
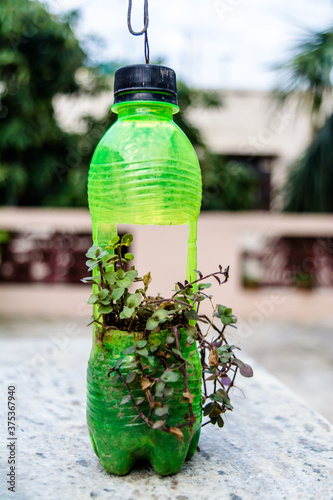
x=150, y=109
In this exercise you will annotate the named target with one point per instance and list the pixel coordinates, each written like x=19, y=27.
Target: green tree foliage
x=310, y=183
x=309, y=186
x=227, y=185
x=41, y=164
x=309, y=71
x=39, y=58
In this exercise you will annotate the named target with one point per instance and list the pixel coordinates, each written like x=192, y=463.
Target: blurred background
x=255, y=97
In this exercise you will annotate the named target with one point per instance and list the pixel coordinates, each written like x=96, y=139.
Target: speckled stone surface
x=272, y=447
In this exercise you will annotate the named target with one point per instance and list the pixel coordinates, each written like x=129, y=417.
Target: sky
x=210, y=44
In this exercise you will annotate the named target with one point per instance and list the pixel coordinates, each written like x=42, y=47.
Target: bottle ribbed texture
x=144, y=171
x=117, y=440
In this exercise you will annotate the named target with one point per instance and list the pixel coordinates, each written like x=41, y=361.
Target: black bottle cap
x=145, y=82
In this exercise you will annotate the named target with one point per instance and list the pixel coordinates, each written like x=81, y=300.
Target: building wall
x=249, y=123
x=162, y=250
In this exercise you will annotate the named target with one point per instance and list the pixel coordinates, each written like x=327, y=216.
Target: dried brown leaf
x=213, y=358
x=147, y=279
x=177, y=432
x=145, y=383
x=187, y=395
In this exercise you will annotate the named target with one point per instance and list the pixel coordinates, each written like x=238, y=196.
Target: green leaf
x=130, y=377
x=93, y=266
x=143, y=352
x=109, y=259
x=114, y=240
x=189, y=341
x=161, y=411
x=151, y=359
x=238, y=362
x=126, y=240
x=127, y=312
x=169, y=376
x=192, y=314
x=204, y=285
x=222, y=393
x=118, y=363
x=170, y=339
x=228, y=405
x=222, y=349
x=130, y=350
x=159, y=388
x=227, y=311
x=208, y=408
x=124, y=283
x=176, y=351
x=120, y=274
x=160, y=314
x=93, y=252
x=91, y=279
x=125, y=399
x=104, y=309
x=191, y=331
x=110, y=277
x=226, y=320
x=221, y=309
x=168, y=391
x=140, y=400
x=103, y=254
x=117, y=293
x=134, y=300
x=103, y=293
x=91, y=262
x=154, y=340
x=220, y=421
x=129, y=256
x=151, y=324
x=140, y=344
x=216, y=397
x=132, y=274
x=158, y=424
x=106, y=301
x=93, y=299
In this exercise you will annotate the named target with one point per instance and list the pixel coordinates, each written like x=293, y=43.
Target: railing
x=304, y=262
x=43, y=260
x=43, y=257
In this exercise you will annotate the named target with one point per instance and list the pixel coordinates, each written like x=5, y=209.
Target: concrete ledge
x=272, y=447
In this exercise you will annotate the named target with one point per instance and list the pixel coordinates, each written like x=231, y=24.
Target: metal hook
x=145, y=28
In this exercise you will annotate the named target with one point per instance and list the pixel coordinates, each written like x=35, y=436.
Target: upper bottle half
x=144, y=169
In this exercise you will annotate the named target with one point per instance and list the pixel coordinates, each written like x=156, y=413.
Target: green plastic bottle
x=143, y=171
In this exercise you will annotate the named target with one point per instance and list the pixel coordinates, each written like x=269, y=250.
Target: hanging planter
x=124, y=424
x=145, y=373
